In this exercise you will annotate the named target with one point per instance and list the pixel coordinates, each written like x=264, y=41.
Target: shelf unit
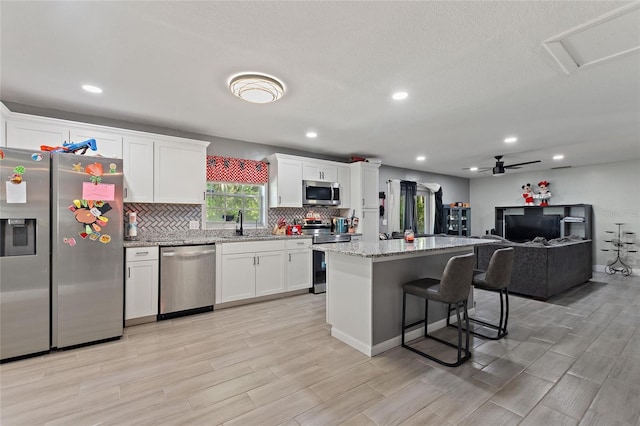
x=457, y=220
x=577, y=219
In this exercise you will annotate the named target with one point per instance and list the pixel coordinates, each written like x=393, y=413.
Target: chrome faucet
x=239, y=230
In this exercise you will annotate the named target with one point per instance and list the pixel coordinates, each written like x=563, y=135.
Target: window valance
x=229, y=169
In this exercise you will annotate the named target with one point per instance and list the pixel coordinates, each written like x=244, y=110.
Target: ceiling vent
x=610, y=36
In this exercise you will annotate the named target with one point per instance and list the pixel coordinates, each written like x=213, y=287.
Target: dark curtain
x=438, y=222
x=409, y=189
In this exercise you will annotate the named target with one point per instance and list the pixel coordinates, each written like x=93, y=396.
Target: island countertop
x=390, y=248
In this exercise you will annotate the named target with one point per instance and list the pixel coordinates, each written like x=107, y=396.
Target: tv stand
x=577, y=219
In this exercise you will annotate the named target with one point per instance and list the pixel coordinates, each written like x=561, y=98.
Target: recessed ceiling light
x=312, y=134
x=511, y=139
x=558, y=157
x=91, y=89
x=398, y=96
x=421, y=158
x=473, y=169
x=256, y=88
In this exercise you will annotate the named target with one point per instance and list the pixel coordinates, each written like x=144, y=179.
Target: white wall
x=613, y=190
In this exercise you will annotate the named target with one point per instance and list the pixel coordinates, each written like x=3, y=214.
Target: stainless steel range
x=322, y=235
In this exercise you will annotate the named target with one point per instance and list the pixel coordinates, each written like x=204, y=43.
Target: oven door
x=319, y=272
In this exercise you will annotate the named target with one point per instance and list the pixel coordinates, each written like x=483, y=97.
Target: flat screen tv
x=520, y=229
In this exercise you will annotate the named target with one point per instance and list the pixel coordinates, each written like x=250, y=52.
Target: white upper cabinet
x=108, y=144
x=285, y=181
x=344, y=179
x=137, y=163
x=364, y=185
x=370, y=187
x=31, y=134
x=156, y=168
x=319, y=171
x=364, y=199
x=180, y=172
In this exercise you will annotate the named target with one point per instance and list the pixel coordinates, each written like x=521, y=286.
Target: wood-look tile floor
x=572, y=360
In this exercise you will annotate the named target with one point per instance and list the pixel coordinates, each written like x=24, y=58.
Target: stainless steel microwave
x=315, y=193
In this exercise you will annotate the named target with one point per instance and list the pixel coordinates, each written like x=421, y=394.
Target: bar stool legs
x=463, y=352
x=501, y=328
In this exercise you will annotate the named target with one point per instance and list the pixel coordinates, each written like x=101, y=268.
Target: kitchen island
x=364, y=287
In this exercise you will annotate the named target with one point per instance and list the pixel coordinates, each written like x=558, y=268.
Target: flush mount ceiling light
x=421, y=158
x=256, y=88
x=312, y=135
x=558, y=157
x=91, y=89
x=511, y=139
x=473, y=169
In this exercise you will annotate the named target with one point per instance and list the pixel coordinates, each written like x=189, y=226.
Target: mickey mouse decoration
x=528, y=195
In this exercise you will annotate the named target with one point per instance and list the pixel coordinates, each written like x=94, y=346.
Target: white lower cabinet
x=298, y=264
x=262, y=268
x=141, y=283
x=238, y=277
x=251, y=269
x=269, y=272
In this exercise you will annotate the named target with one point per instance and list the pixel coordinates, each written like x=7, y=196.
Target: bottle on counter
x=132, y=227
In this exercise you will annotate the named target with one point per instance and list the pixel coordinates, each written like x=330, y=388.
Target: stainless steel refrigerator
x=24, y=253
x=61, y=282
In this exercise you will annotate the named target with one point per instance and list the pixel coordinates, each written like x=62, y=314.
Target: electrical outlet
x=194, y=224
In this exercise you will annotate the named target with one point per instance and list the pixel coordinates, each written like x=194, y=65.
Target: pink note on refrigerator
x=101, y=191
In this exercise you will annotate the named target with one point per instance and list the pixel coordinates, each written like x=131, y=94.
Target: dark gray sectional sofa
x=540, y=270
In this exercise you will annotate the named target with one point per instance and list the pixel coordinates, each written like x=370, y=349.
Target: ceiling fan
x=500, y=168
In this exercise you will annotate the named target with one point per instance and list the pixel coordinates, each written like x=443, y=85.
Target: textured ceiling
x=475, y=72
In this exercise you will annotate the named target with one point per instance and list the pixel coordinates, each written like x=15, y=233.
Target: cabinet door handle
x=142, y=253
x=363, y=201
x=204, y=196
x=289, y=257
x=129, y=272
x=258, y=259
x=126, y=192
x=279, y=199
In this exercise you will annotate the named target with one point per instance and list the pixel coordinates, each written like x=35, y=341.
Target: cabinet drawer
x=252, y=246
x=298, y=244
x=142, y=253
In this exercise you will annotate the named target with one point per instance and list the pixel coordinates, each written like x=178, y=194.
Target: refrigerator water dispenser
x=18, y=237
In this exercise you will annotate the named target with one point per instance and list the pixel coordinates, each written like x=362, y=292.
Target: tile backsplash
x=155, y=220
x=292, y=214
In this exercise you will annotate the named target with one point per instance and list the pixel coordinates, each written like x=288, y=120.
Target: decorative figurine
x=528, y=195
x=543, y=193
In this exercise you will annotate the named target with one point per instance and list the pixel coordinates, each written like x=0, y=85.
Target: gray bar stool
x=496, y=278
x=453, y=289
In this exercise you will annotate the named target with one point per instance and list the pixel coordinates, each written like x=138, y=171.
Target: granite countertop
x=190, y=240
x=387, y=248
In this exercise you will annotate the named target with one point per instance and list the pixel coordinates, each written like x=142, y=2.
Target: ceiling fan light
x=498, y=170
x=256, y=88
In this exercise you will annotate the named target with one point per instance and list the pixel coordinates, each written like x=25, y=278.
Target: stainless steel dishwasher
x=187, y=280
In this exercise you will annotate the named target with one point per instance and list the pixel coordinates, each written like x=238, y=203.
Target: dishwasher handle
x=187, y=254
